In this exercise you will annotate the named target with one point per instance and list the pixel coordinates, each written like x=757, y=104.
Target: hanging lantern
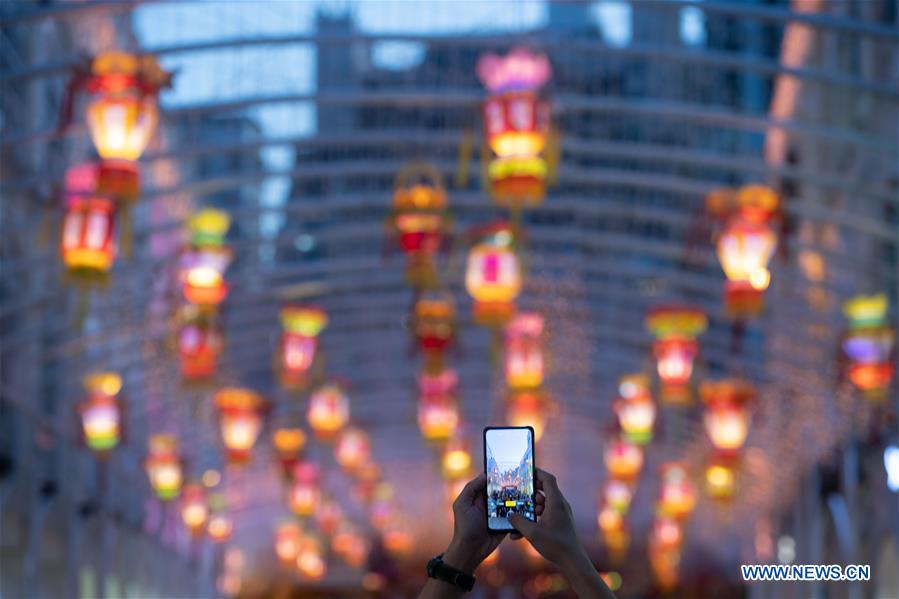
x=456, y=460
x=420, y=220
x=516, y=122
x=434, y=327
x=745, y=245
x=163, y=467
x=623, y=459
x=529, y=408
x=675, y=329
x=328, y=410
x=299, y=342
x=493, y=275
x=310, y=562
x=438, y=409
x=667, y=533
x=194, y=511
x=352, y=448
x=200, y=343
x=240, y=420
x=328, y=516
x=88, y=243
x=219, y=525
x=381, y=509
x=720, y=480
x=366, y=483
x=665, y=562
x=304, y=492
x=635, y=409
x=397, y=538
x=289, y=444
x=349, y=545
x=677, y=497
x=868, y=345
x=204, y=262
x=617, y=494
x=524, y=352
x=726, y=417
x=613, y=529
x=100, y=412
x=287, y=542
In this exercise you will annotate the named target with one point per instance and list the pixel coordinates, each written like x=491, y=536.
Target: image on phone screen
x=509, y=462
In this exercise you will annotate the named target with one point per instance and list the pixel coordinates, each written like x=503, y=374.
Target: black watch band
x=440, y=571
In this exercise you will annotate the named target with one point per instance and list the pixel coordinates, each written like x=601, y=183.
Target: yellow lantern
x=635, y=409
x=299, y=342
x=456, y=460
x=100, y=412
x=438, y=409
x=524, y=352
x=163, y=466
x=287, y=542
x=529, y=408
x=304, y=492
x=352, y=449
x=726, y=417
x=219, y=525
x=328, y=410
x=720, y=480
x=289, y=444
x=675, y=329
x=677, y=497
x=623, y=459
x=194, y=510
x=493, y=275
x=240, y=420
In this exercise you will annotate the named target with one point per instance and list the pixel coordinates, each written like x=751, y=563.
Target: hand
x=553, y=536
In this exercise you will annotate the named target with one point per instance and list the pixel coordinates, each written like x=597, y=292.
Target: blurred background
x=269, y=267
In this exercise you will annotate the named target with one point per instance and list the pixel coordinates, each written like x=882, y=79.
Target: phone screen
x=509, y=464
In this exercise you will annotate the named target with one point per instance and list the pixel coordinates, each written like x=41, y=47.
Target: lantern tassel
x=463, y=169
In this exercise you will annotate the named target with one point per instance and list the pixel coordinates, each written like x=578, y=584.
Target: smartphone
x=509, y=465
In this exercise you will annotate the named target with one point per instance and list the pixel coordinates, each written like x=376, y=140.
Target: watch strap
x=441, y=571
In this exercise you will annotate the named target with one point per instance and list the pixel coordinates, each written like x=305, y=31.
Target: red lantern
x=720, y=480
x=289, y=444
x=434, y=327
x=299, y=342
x=100, y=412
x=304, y=492
x=200, y=343
x=677, y=498
x=163, y=467
x=240, y=418
x=524, y=352
x=352, y=448
x=88, y=244
x=328, y=517
x=529, y=408
x=623, y=459
x=635, y=409
x=493, y=275
x=204, y=262
x=727, y=413
x=675, y=348
x=328, y=410
x=438, y=409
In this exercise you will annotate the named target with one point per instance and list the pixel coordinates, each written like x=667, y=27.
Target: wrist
x=575, y=564
x=461, y=557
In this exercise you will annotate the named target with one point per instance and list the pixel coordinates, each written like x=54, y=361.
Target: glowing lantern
x=204, y=262
x=614, y=530
x=516, y=120
x=88, y=243
x=163, y=467
x=868, y=345
x=328, y=410
x=352, y=448
x=304, y=492
x=675, y=329
x=524, y=354
x=667, y=533
x=397, y=538
x=219, y=526
x=665, y=562
x=328, y=517
x=623, y=459
x=200, y=343
x=677, y=497
x=100, y=412
x=240, y=420
x=745, y=245
x=194, y=511
x=617, y=494
x=420, y=220
x=299, y=342
x=635, y=409
x=720, y=480
x=456, y=461
x=310, y=562
x=529, y=408
x=438, y=409
x=727, y=413
x=493, y=275
x=289, y=444
x=349, y=545
x=366, y=482
x=287, y=541
x=434, y=327
x=381, y=510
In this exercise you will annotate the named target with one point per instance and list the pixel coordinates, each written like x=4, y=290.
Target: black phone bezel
x=533, y=474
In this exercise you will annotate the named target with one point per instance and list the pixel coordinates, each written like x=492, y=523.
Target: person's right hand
x=554, y=535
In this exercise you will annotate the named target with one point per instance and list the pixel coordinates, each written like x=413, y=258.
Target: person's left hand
x=472, y=543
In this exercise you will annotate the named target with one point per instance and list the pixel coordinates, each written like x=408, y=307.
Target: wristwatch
x=440, y=571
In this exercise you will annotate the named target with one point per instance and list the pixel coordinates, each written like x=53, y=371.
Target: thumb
x=523, y=525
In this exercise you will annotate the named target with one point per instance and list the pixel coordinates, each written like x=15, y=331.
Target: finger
x=524, y=526
x=515, y=536
x=548, y=483
x=538, y=509
x=471, y=489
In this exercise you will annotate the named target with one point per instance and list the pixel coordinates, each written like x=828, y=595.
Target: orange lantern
x=493, y=275
x=665, y=562
x=289, y=444
x=287, y=541
x=328, y=517
x=204, y=262
x=328, y=410
x=456, y=460
x=623, y=459
x=352, y=448
x=88, y=243
x=434, y=327
x=299, y=342
x=438, y=409
x=635, y=409
x=868, y=345
x=304, y=492
x=745, y=245
x=727, y=413
x=420, y=220
x=366, y=482
x=310, y=562
x=677, y=497
x=163, y=466
x=516, y=120
x=667, y=533
x=219, y=526
x=194, y=510
x=100, y=412
x=524, y=352
x=397, y=538
x=675, y=329
x=200, y=343
x=240, y=420
x=349, y=545
x=614, y=530
x=529, y=408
